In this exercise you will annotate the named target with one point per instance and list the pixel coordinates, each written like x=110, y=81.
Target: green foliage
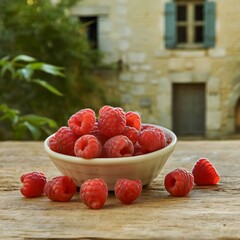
x=48, y=32
x=22, y=125
x=22, y=71
x=25, y=68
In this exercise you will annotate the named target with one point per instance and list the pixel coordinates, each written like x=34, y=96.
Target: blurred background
x=176, y=62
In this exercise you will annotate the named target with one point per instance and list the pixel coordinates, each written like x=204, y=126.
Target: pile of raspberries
x=113, y=134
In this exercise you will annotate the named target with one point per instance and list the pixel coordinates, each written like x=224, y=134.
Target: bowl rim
x=113, y=161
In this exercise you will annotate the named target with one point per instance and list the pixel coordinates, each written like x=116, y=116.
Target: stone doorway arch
x=233, y=110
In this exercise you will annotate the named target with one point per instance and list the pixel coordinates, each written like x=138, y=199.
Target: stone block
x=123, y=45
x=200, y=77
x=162, y=53
x=121, y=10
x=213, y=103
x=105, y=44
x=124, y=31
x=139, y=77
x=164, y=85
x=138, y=90
x=125, y=76
x=136, y=57
x=134, y=68
x=175, y=64
x=202, y=65
x=189, y=54
x=105, y=25
x=213, y=120
x=146, y=67
x=217, y=52
x=181, y=77
x=213, y=85
x=126, y=98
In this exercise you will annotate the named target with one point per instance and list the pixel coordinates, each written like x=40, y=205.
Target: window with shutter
x=190, y=24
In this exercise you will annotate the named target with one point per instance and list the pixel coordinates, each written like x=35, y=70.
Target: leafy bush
x=18, y=126
x=48, y=32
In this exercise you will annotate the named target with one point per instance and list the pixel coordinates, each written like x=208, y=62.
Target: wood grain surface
x=207, y=213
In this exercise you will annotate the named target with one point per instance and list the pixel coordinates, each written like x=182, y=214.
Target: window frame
x=209, y=35
x=190, y=23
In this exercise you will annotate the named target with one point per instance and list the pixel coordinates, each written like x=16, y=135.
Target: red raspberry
x=132, y=133
x=179, y=182
x=93, y=193
x=152, y=139
x=118, y=146
x=33, y=184
x=133, y=119
x=60, y=189
x=112, y=121
x=82, y=121
x=127, y=191
x=88, y=147
x=63, y=141
x=95, y=131
x=138, y=150
x=205, y=173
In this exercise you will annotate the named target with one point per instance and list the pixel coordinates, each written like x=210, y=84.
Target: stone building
x=178, y=60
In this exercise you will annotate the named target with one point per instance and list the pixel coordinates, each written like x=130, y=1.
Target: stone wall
x=132, y=32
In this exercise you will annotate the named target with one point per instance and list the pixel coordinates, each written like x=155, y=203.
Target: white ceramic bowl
x=144, y=167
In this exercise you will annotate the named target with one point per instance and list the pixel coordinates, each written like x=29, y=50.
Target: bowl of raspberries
x=111, y=144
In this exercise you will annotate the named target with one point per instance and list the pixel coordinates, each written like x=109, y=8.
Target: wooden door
x=189, y=109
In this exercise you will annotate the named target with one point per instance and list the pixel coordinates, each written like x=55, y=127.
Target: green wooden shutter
x=170, y=25
x=209, y=24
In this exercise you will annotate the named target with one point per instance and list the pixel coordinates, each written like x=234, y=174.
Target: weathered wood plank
x=207, y=213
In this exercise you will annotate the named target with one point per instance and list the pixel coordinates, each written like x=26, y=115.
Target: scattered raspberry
x=118, y=146
x=82, y=121
x=33, y=184
x=60, y=189
x=88, y=147
x=133, y=119
x=151, y=139
x=112, y=121
x=205, y=173
x=93, y=193
x=127, y=191
x=179, y=182
x=63, y=141
x=132, y=133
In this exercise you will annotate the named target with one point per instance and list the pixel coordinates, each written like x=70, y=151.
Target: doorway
x=188, y=109
x=237, y=116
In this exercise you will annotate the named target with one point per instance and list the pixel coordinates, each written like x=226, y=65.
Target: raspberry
x=95, y=131
x=63, y=141
x=112, y=121
x=133, y=119
x=132, y=133
x=127, y=191
x=82, y=121
x=88, y=147
x=93, y=193
x=151, y=139
x=179, y=182
x=118, y=146
x=205, y=173
x=138, y=150
x=60, y=189
x=33, y=184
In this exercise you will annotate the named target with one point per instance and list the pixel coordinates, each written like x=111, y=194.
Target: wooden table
x=207, y=213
